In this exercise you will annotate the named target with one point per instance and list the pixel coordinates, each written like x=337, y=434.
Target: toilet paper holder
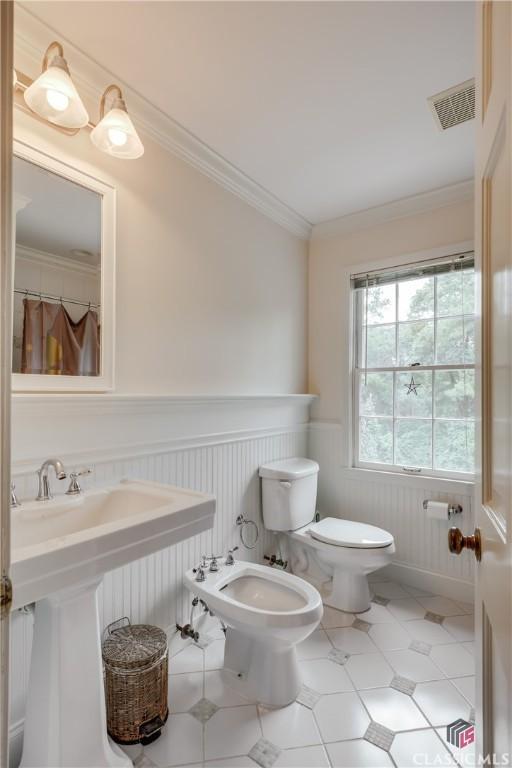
x=452, y=509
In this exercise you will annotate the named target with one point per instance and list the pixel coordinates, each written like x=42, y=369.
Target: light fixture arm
x=106, y=93
x=46, y=57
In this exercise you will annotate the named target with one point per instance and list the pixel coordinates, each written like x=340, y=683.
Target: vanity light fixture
x=53, y=95
x=115, y=133
x=53, y=98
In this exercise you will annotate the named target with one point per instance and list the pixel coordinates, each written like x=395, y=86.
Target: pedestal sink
x=60, y=551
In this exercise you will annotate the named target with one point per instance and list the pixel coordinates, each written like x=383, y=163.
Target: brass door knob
x=457, y=542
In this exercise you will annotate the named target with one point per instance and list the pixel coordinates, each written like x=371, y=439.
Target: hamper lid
x=136, y=646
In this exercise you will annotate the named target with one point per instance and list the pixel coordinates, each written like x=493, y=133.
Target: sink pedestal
x=65, y=721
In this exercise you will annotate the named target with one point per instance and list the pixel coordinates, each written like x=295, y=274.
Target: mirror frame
x=30, y=382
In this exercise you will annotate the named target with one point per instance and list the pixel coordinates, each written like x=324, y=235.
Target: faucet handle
x=74, y=486
x=230, y=560
x=199, y=571
x=14, y=499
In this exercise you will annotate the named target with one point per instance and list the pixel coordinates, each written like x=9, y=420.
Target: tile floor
x=408, y=671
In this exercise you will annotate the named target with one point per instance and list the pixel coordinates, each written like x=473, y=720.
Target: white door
x=6, y=42
x=493, y=507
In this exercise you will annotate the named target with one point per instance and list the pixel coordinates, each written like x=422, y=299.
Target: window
x=414, y=368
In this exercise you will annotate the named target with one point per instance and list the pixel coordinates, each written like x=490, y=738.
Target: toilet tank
x=288, y=493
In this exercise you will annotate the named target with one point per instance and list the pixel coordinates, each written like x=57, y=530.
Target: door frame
x=6, y=233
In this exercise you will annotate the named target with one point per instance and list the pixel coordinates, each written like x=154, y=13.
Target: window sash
x=397, y=276
x=361, y=329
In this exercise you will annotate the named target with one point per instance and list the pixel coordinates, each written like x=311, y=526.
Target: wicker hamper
x=135, y=662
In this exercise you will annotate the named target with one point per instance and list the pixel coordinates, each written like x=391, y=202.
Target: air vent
x=454, y=106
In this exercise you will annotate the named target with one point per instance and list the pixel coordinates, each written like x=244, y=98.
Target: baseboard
x=456, y=589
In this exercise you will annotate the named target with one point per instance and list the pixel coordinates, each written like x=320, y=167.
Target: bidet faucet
x=44, y=493
x=230, y=560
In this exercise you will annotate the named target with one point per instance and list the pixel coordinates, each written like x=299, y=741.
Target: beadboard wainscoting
x=209, y=444
x=394, y=503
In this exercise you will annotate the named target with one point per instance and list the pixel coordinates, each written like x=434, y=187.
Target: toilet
x=267, y=612
x=334, y=555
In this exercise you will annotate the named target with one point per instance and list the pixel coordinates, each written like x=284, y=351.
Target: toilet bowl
x=267, y=613
x=332, y=554
x=344, y=551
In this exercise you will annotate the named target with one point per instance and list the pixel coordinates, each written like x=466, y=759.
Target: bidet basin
x=60, y=550
x=61, y=542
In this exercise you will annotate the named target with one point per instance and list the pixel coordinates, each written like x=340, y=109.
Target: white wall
x=389, y=501
x=211, y=295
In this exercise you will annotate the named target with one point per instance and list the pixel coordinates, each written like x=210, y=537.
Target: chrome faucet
x=230, y=560
x=14, y=499
x=44, y=493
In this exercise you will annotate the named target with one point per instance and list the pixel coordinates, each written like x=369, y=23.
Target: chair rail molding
x=31, y=39
x=90, y=428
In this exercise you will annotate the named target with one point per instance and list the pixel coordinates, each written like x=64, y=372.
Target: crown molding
x=37, y=257
x=398, y=209
x=31, y=39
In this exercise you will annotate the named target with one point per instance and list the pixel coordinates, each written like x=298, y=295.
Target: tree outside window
x=414, y=372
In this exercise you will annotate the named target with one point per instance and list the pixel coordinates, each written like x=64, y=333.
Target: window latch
x=412, y=470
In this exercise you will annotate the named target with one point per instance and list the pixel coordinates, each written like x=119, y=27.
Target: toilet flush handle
x=285, y=483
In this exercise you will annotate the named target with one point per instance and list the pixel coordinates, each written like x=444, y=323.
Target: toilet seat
x=347, y=533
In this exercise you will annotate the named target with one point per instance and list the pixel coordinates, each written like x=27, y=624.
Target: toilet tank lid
x=289, y=469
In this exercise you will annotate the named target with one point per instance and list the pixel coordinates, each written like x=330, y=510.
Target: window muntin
x=420, y=326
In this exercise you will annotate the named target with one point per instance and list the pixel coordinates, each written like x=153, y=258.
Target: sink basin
x=60, y=542
x=60, y=550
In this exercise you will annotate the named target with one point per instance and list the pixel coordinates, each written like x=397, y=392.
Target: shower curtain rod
x=62, y=299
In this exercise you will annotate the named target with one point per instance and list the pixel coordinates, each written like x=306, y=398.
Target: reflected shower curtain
x=54, y=344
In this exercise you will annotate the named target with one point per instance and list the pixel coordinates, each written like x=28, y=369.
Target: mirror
x=61, y=272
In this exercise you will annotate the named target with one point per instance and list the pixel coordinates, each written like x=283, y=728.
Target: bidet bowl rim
x=227, y=607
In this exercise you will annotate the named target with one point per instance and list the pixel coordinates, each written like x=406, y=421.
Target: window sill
x=442, y=484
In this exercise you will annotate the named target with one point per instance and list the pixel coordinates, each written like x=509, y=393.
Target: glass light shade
x=54, y=97
x=115, y=134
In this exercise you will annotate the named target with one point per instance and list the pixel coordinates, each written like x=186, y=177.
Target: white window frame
x=353, y=407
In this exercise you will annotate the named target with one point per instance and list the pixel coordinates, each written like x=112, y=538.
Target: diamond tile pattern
x=308, y=697
x=435, y=618
x=361, y=625
x=380, y=736
x=377, y=685
x=403, y=684
x=420, y=647
x=339, y=657
x=203, y=710
x=264, y=753
x=380, y=600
